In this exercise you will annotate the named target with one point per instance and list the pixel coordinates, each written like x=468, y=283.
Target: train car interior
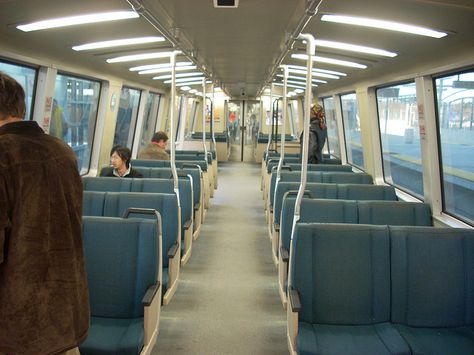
x=239, y=243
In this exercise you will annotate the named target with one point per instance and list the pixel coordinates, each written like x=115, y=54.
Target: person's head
x=120, y=157
x=317, y=112
x=12, y=100
x=160, y=138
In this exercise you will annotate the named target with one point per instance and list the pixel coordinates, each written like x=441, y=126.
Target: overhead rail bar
x=172, y=133
x=141, y=9
x=310, y=51
x=311, y=10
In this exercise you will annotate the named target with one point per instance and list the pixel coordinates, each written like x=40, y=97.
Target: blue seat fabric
x=104, y=183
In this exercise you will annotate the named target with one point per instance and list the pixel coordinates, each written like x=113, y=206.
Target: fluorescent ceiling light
x=317, y=58
x=141, y=56
x=291, y=85
x=118, y=43
x=167, y=70
x=299, y=91
x=300, y=83
x=317, y=70
x=185, y=88
x=321, y=75
x=193, y=91
x=386, y=25
x=303, y=78
x=193, y=83
x=157, y=66
x=77, y=20
x=354, y=48
x=217, y=89
x=180, y=75
x=183, y=80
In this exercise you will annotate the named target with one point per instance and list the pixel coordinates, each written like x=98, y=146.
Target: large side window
x=333, y=134
x=26, y=77
x=74, y=114
x=352, y=131
x=127, y=117
x=455, y=104
x=399, y=134
x=151, y=115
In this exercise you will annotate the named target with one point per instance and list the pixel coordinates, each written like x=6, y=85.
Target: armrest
x=173, y=250
x=284, y=254
x=150, y=294
x=276, y=227
x=196, y=206
x=294, y=300
x=187, y=224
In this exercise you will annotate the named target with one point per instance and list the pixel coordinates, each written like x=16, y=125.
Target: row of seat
x=130, y=279
x=364, y=289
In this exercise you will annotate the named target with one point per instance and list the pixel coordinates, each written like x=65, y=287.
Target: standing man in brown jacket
x=156, y=149
x=44, y=302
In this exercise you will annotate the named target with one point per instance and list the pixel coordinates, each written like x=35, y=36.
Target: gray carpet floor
x=227, y=300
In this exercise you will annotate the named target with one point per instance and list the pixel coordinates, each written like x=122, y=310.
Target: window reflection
x=352, y=130
x=333, y=134
x=455, y=103
x=149, y=122
x=401, y=148
x=127, y=117
x=74, y=114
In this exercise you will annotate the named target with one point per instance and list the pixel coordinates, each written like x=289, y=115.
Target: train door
x=243, y=125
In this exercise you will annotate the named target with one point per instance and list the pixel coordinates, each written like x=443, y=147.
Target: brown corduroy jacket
x=44, y=301
x=153, y=151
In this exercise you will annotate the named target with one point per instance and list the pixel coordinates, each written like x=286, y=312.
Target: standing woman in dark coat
x=120, y=160
x=317, y=135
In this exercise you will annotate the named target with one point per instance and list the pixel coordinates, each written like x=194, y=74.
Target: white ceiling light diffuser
x=179, y=75
x=385, y=25
x=317, y=70
x=321, y=75
x=193, y=83
x=141, y=56
x=167, y=70
x=303, y=78
x=77, y=20
x=185, y=88
x=118, y=43
x=184, y=80
x=320, y=59
x=158, y=66
x=354, y=48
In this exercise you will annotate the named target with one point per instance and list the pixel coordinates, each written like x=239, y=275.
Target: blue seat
x=433, y=288
x=104, y=183
x=122, y=259
x=117, y=203
x=151, y=163
x=339, y=296
x=186, y=203
x=394, y=213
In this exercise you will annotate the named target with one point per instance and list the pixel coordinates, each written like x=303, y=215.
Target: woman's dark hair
x=123, y=152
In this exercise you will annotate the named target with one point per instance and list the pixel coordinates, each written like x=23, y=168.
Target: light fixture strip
x=118, y=43
x=180, y=75
x=166, y=70
x=77, y=20
x=303, y=79
x=157, y=66
x=184, y=80
x=320, y=59
x=141, y=56
x=354, y=48
x=385, y=25
x=317, y=70
x=321, y=75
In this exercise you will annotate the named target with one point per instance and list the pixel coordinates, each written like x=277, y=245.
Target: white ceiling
x=240, y=46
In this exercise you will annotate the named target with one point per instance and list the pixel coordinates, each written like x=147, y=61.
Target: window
x=127, y=117
x=74, y=114
x=26, y=77
x=149, y=122
x=333, y=134
x=455, y=104
x=399, y=134
x=352, y=130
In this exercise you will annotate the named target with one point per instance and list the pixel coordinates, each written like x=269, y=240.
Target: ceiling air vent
x=226, y=4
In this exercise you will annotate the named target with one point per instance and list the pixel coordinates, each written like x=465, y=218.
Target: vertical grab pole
x=213, y=138
x=283, y=134
x=204, y=116
x=270, y=135
x=172, y=112
x=310, y=49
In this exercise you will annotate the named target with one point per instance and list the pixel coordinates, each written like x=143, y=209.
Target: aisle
x=227, y=301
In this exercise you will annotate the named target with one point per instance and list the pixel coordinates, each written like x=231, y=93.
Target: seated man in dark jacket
x=156, y=149
x=317, y=135
x=120, y=161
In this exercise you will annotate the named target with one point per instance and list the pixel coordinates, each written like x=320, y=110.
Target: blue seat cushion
x=376, y=339
x=113, y=336
x=438, y=341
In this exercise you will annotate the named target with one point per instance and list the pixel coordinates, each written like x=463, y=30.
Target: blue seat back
x=366, y=192
x=192, y=163
x=342, y=273
x=315, y=211
x=151, y=163
x=194, y=157
x=122, y=258
x=167, y=186
x=394, y=213
x=103, y=183
x=340, y=177
x=93, y=203
x=432, y=276
x=322, y=167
